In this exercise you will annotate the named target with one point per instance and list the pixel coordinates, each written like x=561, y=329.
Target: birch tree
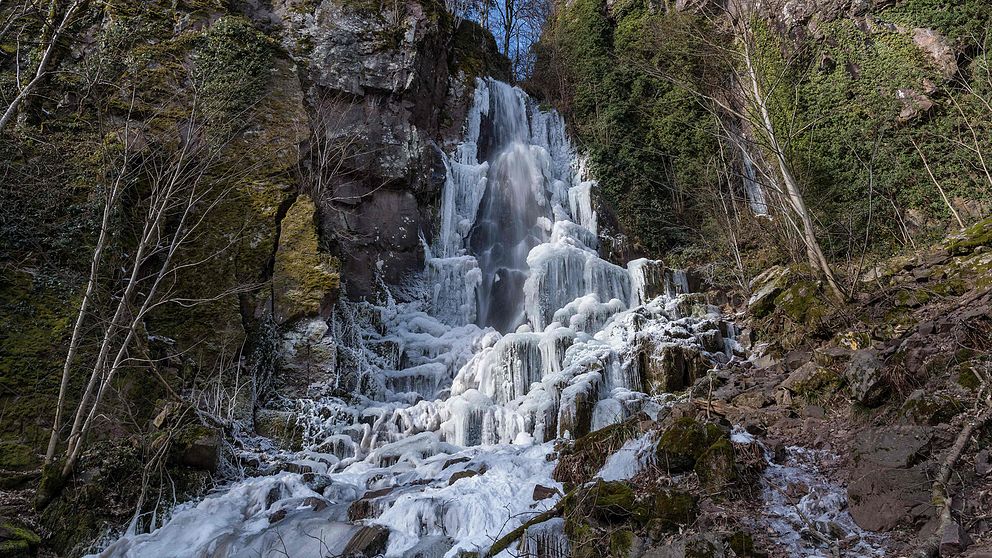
x=744, y=89
x=56, y=23
x=179, y=182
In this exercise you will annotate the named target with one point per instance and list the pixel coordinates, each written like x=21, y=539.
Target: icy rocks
x=369, y=541
x=543, y=492
x=672, y=367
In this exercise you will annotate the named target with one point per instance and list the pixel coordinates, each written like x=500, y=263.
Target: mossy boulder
x=198, y=447
x=979, y=234
x=802, y=301
x=17, y=541
x=672, y=367
x=716, y=468
x=304, y=279
x=683, y=443
x=279, y=426
x=812, y=382
x=670, y=509
x=475, y=54
x=614, y=502
x=765, y=288
x=587, y=455
x=931, y=409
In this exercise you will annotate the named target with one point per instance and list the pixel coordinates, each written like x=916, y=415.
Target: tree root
x=931, y=546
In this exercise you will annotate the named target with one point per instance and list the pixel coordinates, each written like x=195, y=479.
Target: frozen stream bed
x=430, y=430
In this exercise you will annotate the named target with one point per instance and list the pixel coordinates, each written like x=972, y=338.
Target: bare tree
x=183, y=188
x=746, y=96
x=112, y=194
x=55, y=24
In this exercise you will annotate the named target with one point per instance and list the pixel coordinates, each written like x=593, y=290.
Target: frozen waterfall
x=520, y=334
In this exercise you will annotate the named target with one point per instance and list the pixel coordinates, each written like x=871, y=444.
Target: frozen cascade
x=436, y=422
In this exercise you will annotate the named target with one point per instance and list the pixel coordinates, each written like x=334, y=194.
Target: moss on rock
x=979, y=234
x=17, y=541
x=587, y=455
x=304, y=278
x=683, y=443
x=716, y=468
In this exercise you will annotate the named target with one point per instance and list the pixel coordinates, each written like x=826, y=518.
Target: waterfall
x=519, y=334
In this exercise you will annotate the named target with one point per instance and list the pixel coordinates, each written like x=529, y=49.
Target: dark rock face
x=891, y=487
x=385, y=86
x=203, y=451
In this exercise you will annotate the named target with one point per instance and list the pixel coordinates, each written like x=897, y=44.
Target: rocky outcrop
x=304, y=279
x=386, y=85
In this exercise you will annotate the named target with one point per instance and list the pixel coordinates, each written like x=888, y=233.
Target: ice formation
x=441, y=406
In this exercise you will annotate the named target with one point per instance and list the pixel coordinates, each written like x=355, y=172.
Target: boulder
x=543, y=492
x=683, y=443
x=304, y=279
x=370, y=540
x=931, y=409
x=279, y=426
x=865, y=378
x=884, y=498
x=764, y=288
x=457, y=476
x=715, y=467
x=894, y=446
x=954, y=540
x=891, y=486
x=17, y=540
x=937, y=49
x=672, y=367
x=199, y=448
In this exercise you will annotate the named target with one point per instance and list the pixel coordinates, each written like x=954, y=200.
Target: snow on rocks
x=435, y=418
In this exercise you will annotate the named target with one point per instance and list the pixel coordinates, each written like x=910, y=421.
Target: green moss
x=17, y=457
x=968, y=379
x=803, y=302
x=304, y=277
x=475, y=54
x=979, y=234
x=683, y=443
x=613, y=501
x=715, y=467
x=742, y=544
x=18, y=541
x=587, y=455
x=931, y=409
x=232, y=61
x=620, y=542
x=668, y=510
x=645, y=137
x=819, y=384
x=35, y=317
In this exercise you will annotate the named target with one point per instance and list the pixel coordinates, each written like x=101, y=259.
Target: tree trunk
x=42, y=69
x=794, y=194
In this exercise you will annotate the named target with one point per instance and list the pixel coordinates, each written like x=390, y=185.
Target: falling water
x=522, y=335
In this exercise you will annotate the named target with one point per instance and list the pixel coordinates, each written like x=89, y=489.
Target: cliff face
x=322, y=120
x=386, y=87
